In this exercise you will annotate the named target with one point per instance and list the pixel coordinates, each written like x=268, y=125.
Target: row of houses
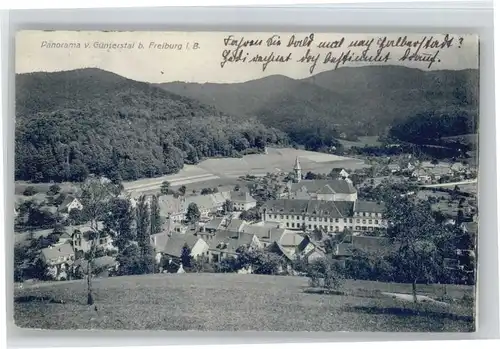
x=213, y=247
x=175, y=208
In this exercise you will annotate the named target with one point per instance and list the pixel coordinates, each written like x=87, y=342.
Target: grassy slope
x=230, y=302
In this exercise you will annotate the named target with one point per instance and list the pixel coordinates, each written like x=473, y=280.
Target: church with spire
x=320, y=189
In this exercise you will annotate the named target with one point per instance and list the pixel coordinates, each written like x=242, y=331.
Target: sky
x=210, y=56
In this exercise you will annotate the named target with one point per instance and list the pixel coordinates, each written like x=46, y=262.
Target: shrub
x=29, y=191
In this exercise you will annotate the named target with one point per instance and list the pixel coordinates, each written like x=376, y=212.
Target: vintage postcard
x=256, y=181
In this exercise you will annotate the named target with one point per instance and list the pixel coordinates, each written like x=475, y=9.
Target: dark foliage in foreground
x=70, y=124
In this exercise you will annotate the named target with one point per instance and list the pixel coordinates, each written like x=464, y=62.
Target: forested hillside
x=70, y=124
x=355, y=101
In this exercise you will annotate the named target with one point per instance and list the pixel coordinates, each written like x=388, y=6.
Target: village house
x=421, y=175
x=171, y=246
x=70, y=203
x=394, y=168
x=331, y=216
x=328, y=190
x=265, y=232
x=242, y=200
x=309, y=250
x=82, y=241
x=225, y=244
x=55, y=255
x=176, y=208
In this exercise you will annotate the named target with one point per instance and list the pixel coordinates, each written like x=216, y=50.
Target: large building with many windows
x=330, y=216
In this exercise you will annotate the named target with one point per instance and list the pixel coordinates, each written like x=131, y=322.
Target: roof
x=159, y=241
x=220, y=197
x=334, y=209
x=372, y=244
x=339, y=186
x=236, y=225
x=100, y=262
x=51, y=209
x=241, y=196
x=68, y=200
x=259, y=231
x=214, y=224
x=175, y=243
x=368, y=206
x=277, y=248
x=169, y=204
x=55, y=252
x=290, y=238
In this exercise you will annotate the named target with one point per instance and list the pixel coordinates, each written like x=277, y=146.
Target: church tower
x=297, y=170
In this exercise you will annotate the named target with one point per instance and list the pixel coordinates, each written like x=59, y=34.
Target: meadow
x=233, y=302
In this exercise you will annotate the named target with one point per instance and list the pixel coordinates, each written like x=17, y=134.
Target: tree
x=95, y=198
x=29, y=191
x=416, y=238
x=228, y=206
x=182, y=190
x=54, y=189
x=193, y=213
x=130, y=261
x=165, y=187
x=251, y=215
x=186, y=257
x=143, y=234
x=155, y=216
x=119, y=221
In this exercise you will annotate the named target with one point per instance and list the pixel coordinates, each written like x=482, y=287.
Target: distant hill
x=72, y=123
x=361, y=101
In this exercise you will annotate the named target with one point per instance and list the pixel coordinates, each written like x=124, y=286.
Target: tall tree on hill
x=417, y=239
x=95, y=198
x=143, y=234
x=155, y=216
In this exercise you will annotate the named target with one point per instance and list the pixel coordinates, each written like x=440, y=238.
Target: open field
x=363, y=141
x=232, y=302
x=224, y=171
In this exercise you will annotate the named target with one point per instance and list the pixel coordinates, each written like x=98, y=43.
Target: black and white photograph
x=246, y=181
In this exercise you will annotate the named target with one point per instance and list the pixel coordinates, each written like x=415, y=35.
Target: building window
x=376, y=221
x=345, y=220
x=286, y=216
x=309, y=226
x=336, y=228
x=275, y=216
x=357, y=220
x=357, y=227
x=331, y=220
x=315, y=226
x=331, y=228
x=350, y=220
x=281, y=216
x=370, y=221
x=336, y=220
x=293, y=225
x=363, y=228
x=298, y=218
x=287, y=224
x=364, y=221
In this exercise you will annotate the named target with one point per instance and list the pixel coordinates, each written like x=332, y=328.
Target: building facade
x=330, y=216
